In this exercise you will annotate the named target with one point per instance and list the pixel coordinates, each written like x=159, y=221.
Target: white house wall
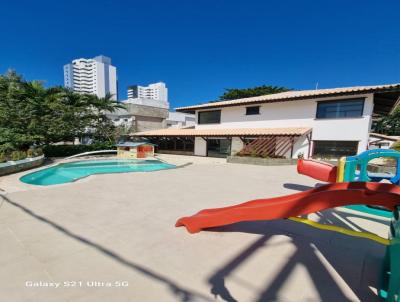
x=300, y=147
x=300, y=113
x=200, y=147
x=236, y=145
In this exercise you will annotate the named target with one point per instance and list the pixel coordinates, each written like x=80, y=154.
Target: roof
x=295, y=95
x=294, y=131
x=133, y=144
x=387, y=137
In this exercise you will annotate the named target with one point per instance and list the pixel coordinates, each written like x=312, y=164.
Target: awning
x=229, y=132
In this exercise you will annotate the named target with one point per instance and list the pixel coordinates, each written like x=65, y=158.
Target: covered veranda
x=262, y=142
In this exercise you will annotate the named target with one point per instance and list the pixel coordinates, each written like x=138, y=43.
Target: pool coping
x=100, y=173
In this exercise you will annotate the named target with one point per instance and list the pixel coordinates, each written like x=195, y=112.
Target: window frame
x=315, y=142
x=319, y=117
x=251, y=107
x=208, y=123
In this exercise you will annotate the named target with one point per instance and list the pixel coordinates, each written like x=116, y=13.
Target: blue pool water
x=69, y=172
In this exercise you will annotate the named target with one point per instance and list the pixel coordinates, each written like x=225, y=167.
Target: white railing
x=90, y=153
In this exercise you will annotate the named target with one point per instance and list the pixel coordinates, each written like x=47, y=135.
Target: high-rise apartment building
x=155, y=95
x=94, y=76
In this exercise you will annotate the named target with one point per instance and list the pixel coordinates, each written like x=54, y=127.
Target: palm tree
x=31, y=114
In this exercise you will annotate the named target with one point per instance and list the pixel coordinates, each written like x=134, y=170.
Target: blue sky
x=201, y=47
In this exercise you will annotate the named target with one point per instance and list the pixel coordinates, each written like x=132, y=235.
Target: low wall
x=261, y=161
x=20, y=165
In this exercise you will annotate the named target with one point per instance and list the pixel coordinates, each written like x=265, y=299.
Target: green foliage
x=234, y=93
x=34, y=152
x=3, y=157
x=396, y=146
x=389, y=125
x=253, y=153
x=6, y=148
x=31, y=114
x=37, y=152
x=18, y=155
x=29, y=153
x=69, y=150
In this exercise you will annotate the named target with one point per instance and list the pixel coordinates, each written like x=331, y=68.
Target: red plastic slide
x=321, y=198
x=317, y=169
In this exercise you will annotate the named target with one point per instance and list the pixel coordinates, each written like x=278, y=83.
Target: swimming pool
x=69, y=172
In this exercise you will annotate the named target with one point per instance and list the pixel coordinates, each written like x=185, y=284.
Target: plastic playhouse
x=135, y=150
x=350, y=185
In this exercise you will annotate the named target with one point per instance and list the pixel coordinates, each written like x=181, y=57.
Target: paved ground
x=119, y=229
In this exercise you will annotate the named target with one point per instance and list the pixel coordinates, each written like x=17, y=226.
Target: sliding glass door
x=218, y=147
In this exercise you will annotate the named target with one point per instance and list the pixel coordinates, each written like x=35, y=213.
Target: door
x=218, y=147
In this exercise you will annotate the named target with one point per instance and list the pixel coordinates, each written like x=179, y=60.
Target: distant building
x=94, y=76
x=180, y=120
x=139, y=117
x=154, y=95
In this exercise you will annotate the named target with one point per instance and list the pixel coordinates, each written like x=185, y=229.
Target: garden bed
x=20, y=165
x=261, y=161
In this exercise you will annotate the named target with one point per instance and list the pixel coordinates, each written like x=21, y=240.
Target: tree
x=234, y=93
x=390, y=124
x=31, y=114
x=101, y=128
x=15, y=112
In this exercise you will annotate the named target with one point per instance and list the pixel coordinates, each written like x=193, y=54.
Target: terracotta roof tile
x=293, y=95
x=225, y=132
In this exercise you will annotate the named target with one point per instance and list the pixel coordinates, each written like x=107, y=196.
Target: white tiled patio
x=119, y=229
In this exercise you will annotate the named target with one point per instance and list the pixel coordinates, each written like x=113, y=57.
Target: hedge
x=69, y=150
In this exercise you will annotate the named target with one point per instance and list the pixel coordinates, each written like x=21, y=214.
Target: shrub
x=22, y=154
x=18, y=155
x=30, y=153
x=37, y=151
x=6, y=148
x=3, y=157
x=69, y=150
x=34, y=152
x=396, y=146
x=253, y=153
x=14, y=155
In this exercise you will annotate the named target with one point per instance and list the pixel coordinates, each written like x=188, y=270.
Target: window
x=210, y=117
x=340, y=109
x=334, y=149
x=253, y=110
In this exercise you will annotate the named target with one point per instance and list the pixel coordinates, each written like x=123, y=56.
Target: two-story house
x=320, y=123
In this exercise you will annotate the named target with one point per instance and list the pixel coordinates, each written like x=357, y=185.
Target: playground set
x=350, y=184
